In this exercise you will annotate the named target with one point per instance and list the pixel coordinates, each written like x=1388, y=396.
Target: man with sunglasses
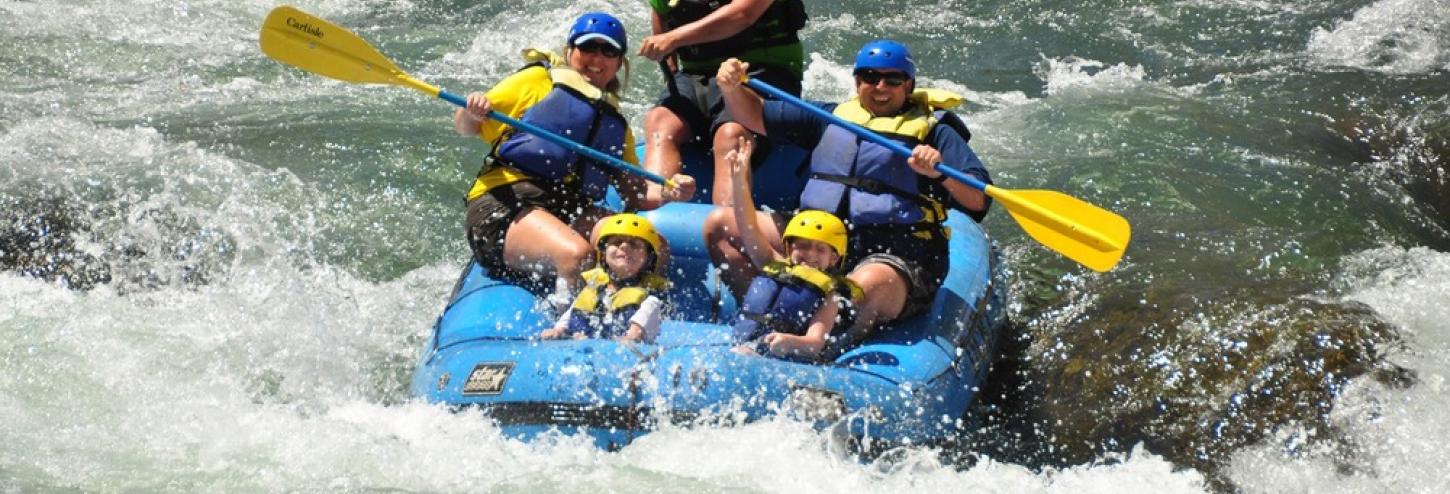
x=694, y=37
x=895, y=206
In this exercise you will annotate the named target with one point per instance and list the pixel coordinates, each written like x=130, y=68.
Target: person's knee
x=726, y=140
x=572, y=257
x=663, y=122
x=883, y=291
x=728, y=134
x=717, y=221
x=718, y=227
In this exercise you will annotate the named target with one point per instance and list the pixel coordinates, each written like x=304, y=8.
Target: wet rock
x=58, y=240
x=1416, y=147
x=1194, y=386
x=38, y=237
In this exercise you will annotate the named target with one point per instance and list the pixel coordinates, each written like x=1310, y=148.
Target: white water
x=1073, y=72
x=1396, y=437
x=1392, y=36
x=269, y=383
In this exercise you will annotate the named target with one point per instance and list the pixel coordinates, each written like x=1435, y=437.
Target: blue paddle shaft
x=613, y=162
x=894, y=146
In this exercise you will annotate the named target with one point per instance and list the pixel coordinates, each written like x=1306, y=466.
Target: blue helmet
x=886, y=54
x=598, y=25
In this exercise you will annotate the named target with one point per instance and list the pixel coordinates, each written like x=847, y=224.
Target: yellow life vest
x=916, y=122
x=627, y=297
x=825, y=282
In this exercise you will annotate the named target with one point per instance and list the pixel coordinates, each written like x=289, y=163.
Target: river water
x=218, y=271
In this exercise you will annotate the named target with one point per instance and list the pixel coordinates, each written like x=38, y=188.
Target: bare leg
x=539, y=242
x=589, y=222
x=663, y=133
x=726, y=140
x=723, y=243
x=884, y=296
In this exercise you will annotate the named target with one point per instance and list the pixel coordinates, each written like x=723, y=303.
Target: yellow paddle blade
x=309, y=43
x=1090, y=235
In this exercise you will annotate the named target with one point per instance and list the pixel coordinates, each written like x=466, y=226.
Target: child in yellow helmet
x=792, y=305
x=622, y=297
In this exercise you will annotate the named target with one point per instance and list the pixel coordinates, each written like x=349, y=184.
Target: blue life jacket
x=598, y=320
x=784, y=298
x=579, y=111
x=866, y=183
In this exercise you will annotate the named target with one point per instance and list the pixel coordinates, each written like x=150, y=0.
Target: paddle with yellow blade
x=1090, y=235
x=309, y=43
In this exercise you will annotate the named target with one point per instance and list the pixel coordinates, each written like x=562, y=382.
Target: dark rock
x=38, y=237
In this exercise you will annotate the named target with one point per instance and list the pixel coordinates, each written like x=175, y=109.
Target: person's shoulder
x=533, y=73
x=788, y=111
x=530, y=79
x=950, y=126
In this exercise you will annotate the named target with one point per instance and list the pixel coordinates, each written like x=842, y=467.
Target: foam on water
x=1060, y=75
x=194, y=388
x=185, y=207
x=782, y=456
x=146, y=195
x=265, y=384
x=1395, y=437
x=1392, y=36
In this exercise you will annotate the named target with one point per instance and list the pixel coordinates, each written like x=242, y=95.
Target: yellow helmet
x=629, y=225
x=819, y=226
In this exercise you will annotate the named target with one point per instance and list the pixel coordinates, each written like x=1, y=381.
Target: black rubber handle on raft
x=669, y=76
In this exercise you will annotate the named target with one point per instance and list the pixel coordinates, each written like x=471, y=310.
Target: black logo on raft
x=488, y=378
x=304, y=27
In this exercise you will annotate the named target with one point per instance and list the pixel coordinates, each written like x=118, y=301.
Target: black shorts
x=491, y=214
x=697, y=101
x=921, y=262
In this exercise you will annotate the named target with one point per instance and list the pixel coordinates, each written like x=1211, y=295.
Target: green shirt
x=790, y=56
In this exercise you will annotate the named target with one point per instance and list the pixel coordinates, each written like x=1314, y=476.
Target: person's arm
x=561, y=327
x=743, y=104
x=657, y=26
x=813, y=341
x=643, y=195
x=632, y=188
x=724, y=22
x=469, y=119
x=512, y=96
x=644, y=325
x=958, y=155
x=756, y=245
x=656, y=23
x=770, y=118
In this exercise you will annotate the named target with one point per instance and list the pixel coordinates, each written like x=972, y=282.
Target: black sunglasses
x=600, y=48
x=893, y=79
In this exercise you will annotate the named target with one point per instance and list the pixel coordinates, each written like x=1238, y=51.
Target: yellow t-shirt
x=513, y=96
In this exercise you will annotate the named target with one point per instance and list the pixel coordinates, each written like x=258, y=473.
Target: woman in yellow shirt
x=532, y=207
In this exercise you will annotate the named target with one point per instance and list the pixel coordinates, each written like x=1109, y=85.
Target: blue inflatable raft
x=909, y=383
